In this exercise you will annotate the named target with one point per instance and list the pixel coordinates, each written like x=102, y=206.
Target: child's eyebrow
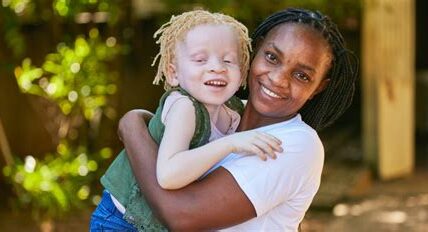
x=197, y=53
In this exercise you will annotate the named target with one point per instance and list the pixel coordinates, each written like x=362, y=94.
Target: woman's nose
x=279, y=78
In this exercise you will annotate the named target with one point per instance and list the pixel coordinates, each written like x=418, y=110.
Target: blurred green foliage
x=79, y=78
x=57, y=183
x=76, y=78
x=252, y=12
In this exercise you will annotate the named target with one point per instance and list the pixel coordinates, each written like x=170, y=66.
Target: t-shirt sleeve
x=293, y=177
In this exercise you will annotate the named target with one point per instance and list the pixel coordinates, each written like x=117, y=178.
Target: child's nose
x=217, y=66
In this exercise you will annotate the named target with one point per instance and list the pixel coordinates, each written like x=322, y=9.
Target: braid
x=176, y=29
x=324, y=108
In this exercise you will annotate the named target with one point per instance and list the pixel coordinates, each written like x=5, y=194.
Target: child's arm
x=177, y=166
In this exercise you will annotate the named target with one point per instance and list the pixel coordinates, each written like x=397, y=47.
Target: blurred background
x=70, y=69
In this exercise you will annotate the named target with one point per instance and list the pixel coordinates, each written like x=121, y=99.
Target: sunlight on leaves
x=76, y=77
x=57, y=182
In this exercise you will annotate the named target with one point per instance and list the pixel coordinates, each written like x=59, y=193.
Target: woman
x=301, y=77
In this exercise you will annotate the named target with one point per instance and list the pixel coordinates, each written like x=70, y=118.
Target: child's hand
x=255, y=143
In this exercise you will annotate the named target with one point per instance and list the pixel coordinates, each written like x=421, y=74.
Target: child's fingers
x=271, y=140
x=256, y=150
x=266, y=148
x=271, y=137
x=252, y=148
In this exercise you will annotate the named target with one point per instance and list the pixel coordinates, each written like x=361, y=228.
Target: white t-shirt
x=280, y=190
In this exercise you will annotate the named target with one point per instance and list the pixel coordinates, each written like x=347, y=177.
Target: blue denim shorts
x=107, y=217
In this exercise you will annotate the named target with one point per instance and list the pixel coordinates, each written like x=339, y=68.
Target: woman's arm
x=212, y=203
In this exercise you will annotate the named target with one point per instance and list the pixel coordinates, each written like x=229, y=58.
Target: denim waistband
x=109, y=205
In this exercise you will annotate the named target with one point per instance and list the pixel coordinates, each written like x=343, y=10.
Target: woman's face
x=287, y=70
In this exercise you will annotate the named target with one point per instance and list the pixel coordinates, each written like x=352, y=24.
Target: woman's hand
x=255, y=143
x=130, y=120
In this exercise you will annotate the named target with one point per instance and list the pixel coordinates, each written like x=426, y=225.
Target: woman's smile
x=270, y=92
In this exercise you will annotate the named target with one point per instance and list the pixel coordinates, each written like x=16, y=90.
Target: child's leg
x=106, y=217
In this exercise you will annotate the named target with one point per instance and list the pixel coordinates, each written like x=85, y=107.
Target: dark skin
x=283, y=76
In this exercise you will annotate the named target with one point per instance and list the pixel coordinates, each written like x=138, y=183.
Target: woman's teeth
x=270, y=93
x=216, y=83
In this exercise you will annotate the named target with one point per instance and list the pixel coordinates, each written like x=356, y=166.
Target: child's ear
x=171, y=76
x=321, y=87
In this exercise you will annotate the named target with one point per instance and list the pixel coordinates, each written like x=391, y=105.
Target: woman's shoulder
x=291, y=126
x=296, y=134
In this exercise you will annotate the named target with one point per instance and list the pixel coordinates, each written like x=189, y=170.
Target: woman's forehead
x=296, y=33
x=294, y=29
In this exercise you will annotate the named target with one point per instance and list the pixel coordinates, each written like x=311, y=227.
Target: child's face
x=207, y=64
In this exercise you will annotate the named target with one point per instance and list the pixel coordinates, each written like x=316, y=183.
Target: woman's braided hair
x=176, y=29
x=325, y=107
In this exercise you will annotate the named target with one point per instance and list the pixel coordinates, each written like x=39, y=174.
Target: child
x=204, y=58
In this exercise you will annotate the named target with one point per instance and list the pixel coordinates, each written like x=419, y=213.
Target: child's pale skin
x=206, y=66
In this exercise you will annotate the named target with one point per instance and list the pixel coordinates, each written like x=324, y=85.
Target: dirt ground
x=399, y=205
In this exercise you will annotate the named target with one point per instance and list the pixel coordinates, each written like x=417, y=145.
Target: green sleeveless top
x=120, y=181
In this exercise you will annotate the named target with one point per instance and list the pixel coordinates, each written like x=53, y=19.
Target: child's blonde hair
x=175, y=30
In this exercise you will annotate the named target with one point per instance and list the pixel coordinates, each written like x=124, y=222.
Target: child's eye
x=270, y=57
x=229, y=59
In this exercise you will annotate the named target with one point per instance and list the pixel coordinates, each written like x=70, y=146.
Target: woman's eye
x=302, y=77
x=227, y=61
x=271, y=57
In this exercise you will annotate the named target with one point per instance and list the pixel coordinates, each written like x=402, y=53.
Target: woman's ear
x=171, y=76
x=320, y=87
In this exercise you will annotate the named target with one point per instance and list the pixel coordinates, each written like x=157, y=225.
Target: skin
x=294, y=71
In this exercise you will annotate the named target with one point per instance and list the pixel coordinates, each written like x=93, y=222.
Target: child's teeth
x=216, y=83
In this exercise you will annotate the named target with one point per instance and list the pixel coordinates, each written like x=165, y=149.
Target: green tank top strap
x=235, y=104
x=202, y=123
